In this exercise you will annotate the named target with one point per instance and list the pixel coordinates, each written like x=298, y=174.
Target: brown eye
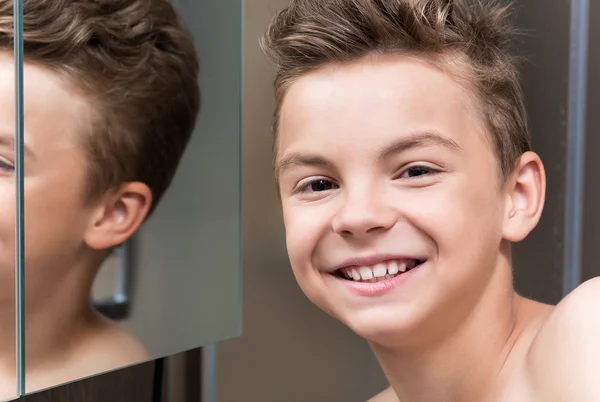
x=321, y=185
x=416, y=171
x=317, y=186
x=6, y=167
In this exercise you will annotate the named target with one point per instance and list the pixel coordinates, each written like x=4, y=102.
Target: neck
x=8, y=338
x=57, y=314
x=58, y=318
x=465, y=362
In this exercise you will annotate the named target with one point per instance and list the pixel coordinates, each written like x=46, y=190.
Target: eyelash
x=304, y=188
x=6, y=166
x=430, y=172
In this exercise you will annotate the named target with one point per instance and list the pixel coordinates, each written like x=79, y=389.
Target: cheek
x=461, y=219
x=298, y=246
x=7, y=210
x=7, y=215
x=302, y=240
x=303, y=228
x=54, y=214
x=7, y=238
x=7, y=206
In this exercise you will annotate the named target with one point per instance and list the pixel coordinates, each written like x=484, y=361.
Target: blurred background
x=289, y=350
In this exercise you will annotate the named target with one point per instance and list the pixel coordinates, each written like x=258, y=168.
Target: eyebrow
x=417, y=140
x=6, y=140
x=298, y=159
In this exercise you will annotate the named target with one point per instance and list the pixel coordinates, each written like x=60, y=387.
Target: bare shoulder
x=564, y=358
x=388, y=395
x=112, y=347
x=102, y=347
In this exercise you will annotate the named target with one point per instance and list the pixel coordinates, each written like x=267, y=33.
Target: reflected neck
x=56, y=316
x=8, y=338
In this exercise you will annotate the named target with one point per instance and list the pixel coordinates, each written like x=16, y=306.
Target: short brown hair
x=475, y=34
x=136, y=63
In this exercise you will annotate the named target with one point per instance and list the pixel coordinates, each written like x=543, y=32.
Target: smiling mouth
x=378, y=272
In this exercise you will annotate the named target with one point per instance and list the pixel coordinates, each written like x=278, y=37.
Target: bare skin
x=506, y=383
x=387, y=158
x=98, y=347
x=67, y=237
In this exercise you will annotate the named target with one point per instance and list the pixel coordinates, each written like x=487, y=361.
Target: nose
x=362, y=214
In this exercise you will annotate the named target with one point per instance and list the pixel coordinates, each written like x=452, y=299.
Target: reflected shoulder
x=107, y=346
x=387, y=395
x=101, y=348
x=117, y=347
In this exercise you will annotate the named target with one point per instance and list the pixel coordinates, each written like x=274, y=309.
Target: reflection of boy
x=403, y=161
x=111, y=98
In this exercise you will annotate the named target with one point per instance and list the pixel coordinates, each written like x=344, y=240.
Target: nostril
x=376, y=229
x=358, y=232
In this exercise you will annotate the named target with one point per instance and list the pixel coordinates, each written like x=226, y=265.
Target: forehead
x=54, y=112
x=373, y=101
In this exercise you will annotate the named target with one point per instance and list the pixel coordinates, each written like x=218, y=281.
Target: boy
x=403, y=161
x=111, y=98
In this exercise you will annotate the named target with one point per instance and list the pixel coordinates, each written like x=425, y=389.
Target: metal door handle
x=118, y=306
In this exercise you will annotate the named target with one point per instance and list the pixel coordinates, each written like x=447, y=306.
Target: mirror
x=10, y=140
x=132, y=232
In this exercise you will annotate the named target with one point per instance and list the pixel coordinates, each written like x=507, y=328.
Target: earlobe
x=525, y=197
x=119, y=216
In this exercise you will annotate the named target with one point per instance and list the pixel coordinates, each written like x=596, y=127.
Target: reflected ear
x=119, y=216
x=526, y=192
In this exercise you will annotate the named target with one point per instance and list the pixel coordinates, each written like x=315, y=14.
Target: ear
x=525, y=195
x=119, y=216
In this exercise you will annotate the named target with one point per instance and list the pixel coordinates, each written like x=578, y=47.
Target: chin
x=384, y=326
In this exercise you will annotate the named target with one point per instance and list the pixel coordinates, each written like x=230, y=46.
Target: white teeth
x=365, y=272
x=379, y=270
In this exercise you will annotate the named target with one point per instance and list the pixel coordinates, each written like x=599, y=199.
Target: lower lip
x=381, y=287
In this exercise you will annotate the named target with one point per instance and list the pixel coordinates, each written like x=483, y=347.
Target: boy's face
x=382, y=164
x=56, y=215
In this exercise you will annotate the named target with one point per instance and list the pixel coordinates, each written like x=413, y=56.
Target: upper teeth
x=378, y=270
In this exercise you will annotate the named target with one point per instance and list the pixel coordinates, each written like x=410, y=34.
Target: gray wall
x=538, y=260
x=290, y=351
x=591, y=237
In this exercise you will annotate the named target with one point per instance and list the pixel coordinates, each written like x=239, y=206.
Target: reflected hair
x=136, y=64
x=468, y=39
